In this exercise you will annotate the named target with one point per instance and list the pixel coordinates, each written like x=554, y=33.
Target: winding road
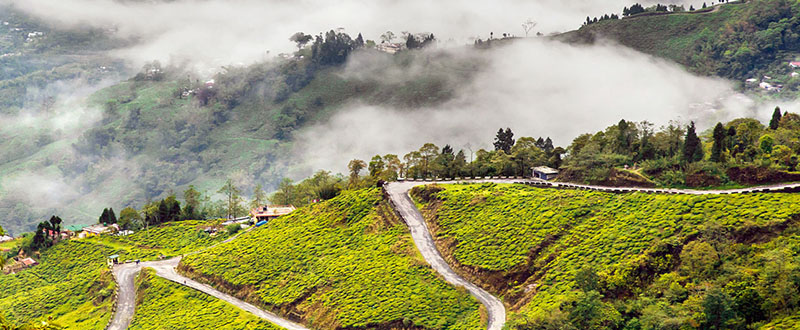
x=125, y=275
x=398, y=192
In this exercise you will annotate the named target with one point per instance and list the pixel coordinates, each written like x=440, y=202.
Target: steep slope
x=347, y=263
x=632, y=258
x=72, y=284
x=737, y=40
x=163, y=305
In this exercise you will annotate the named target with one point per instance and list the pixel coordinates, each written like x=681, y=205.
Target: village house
x=270, y=212
x=388, y=47
x=99, y=229
x=544, y=172
x=6, y=238
x=794, y=64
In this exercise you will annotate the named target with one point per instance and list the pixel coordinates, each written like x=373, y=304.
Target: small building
x=6, y=238
x=794, y=64
x=388, y=47
x=73, y=230
x=113, y=260
x=99, y=229
x=28, y=262
x=270, y=212
x=544, y=172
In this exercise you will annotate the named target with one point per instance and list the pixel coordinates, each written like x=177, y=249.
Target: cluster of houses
x=766, y=84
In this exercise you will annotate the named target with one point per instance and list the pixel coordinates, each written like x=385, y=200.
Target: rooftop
x=545, y=170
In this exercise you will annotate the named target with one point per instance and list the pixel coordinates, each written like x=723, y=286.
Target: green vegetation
x=347, y=262
x=162, y=304
x=591, y=260
x=71, y=285
x=738, y=40
x=169, y=239
x=738, y=153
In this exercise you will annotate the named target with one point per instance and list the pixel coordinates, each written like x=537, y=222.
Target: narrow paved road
x=398, y=192
x=125, y=275
x=785, y=187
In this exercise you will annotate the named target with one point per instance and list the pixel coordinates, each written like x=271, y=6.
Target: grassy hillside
x=649, y=261
x=72, y=284
x=345, y=263
x=162, y=304
x=169, y=239
x=735, y=40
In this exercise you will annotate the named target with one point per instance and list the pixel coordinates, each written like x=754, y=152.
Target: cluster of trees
x=47, y=233
x=602, y=18
x=510, y=157
x=675, y=150
x=419, y=41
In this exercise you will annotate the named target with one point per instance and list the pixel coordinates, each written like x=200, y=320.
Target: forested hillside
x=737, y=40
x=570, y=259
x=165, y=129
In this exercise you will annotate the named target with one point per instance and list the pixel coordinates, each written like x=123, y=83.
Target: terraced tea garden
x=345, y=263
x=530, y=245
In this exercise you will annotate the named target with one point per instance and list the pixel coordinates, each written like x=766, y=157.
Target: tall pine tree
x=776, y=119
x=692, y=147
x=719, y=142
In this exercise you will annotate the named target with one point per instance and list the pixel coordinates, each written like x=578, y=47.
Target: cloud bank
x=215, y=33
x=538, y=88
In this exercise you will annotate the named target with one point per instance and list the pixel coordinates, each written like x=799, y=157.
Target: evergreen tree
x=548, y=146
x=411, y=42
x=359, y=42
x=719, y=142
x=504, y=140
x=103, y=217
x=692, y=146
x=776, y=119
x=112, y=218
x=192, y=199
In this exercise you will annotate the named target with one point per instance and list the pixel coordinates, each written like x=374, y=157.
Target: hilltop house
x=388, y=47
x=544, y=172
x=270, y=212
x=99, y=229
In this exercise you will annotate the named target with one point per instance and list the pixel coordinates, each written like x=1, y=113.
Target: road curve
x=125, y=275
x=398, y=192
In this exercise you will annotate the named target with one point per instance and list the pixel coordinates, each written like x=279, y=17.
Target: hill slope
x=163, y=305
x=736, y=40
x=347, y=263
x=633, y=258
